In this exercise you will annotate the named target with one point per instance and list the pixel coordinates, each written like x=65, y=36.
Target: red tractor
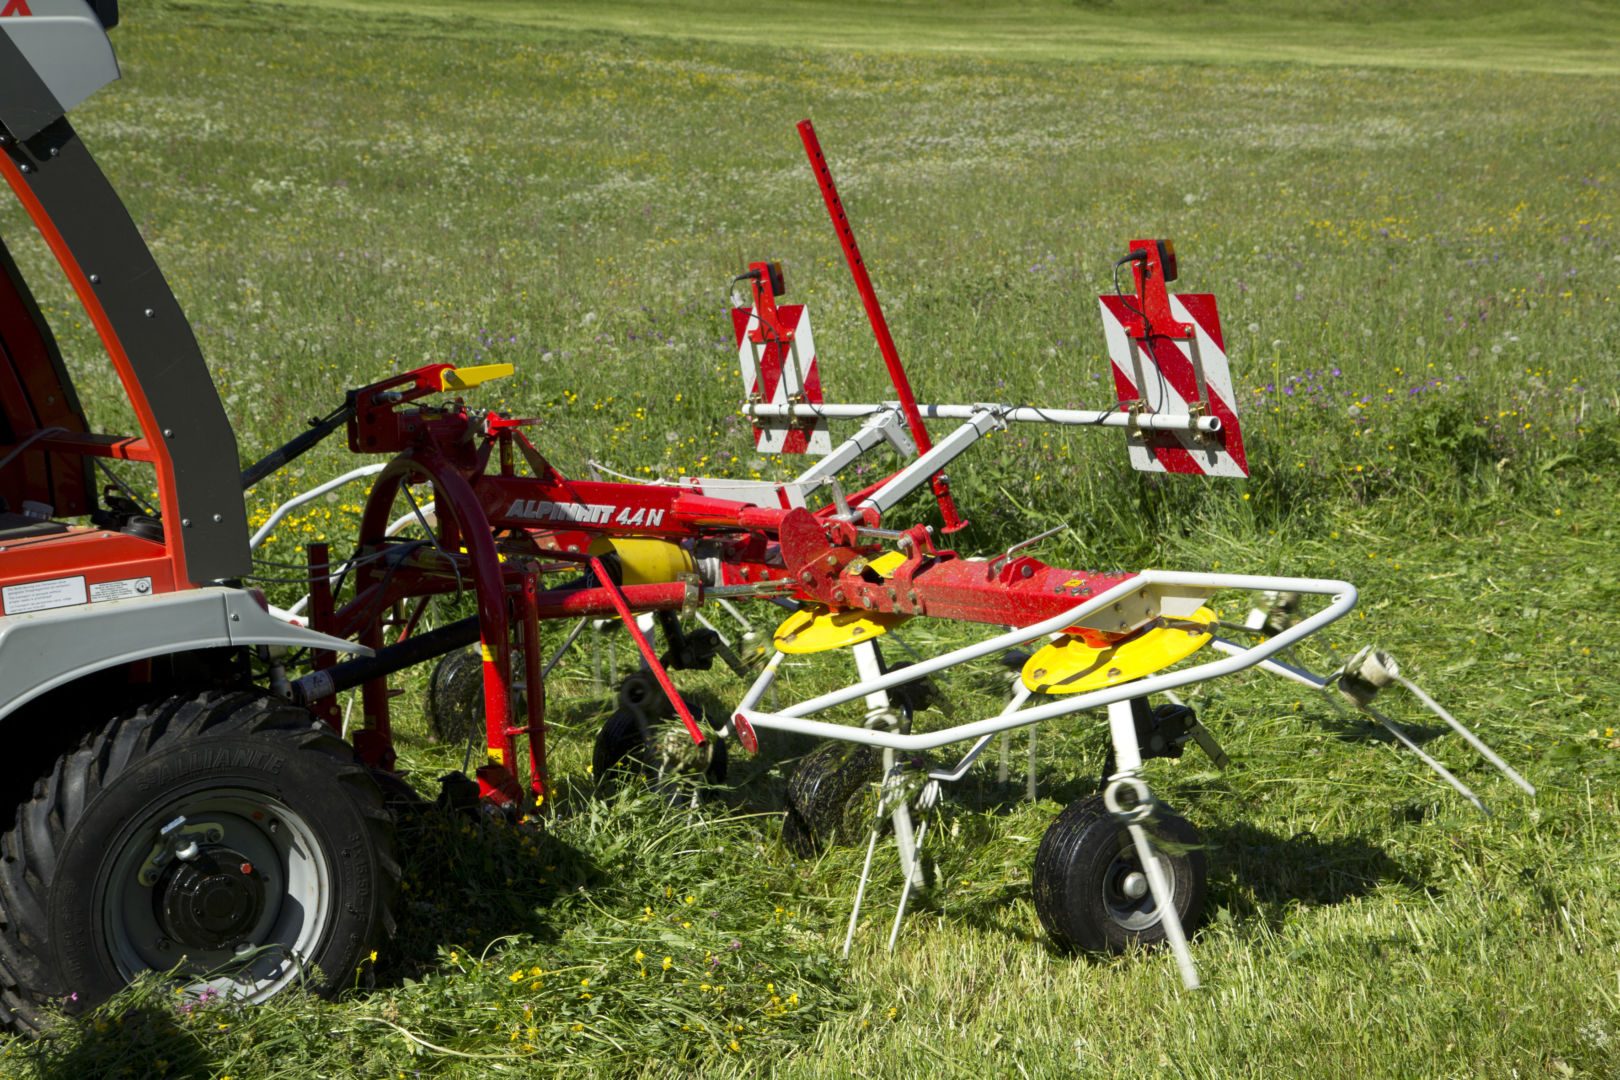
x=159, y=804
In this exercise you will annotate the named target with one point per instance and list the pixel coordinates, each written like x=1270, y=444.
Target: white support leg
x=1127, y=763
x=880, y=711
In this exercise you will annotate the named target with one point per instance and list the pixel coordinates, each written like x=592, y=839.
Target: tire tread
x=28, y=853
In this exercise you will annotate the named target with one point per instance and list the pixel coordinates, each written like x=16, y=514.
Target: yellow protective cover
x=465, y=378
x=1070, y=666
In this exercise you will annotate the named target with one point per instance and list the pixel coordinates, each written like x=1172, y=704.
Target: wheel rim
x=1126, y=894
x=246, y=911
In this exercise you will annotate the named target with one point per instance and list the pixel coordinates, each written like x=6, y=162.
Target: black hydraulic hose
x=412, y=651
x=319, y=428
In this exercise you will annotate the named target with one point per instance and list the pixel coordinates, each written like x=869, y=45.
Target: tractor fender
x=65, y=57
x=42, y=650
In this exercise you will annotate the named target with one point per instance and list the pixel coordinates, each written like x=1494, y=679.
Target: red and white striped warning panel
x=1169, y=376
x=780, y=373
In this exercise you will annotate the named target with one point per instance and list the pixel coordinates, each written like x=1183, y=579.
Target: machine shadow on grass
x=467, y=882
x=141, y=1032
x=1254, y=872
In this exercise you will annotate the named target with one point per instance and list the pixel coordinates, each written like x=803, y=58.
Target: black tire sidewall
x=826, y=796
x=271, y=763
x=1074, y=860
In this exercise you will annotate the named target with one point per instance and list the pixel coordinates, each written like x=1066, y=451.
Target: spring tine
x=1166, y=901
x=860, y=892
x=1029, y=779
x=1440, y=770
x=596, y=664
x=1473, y=740
x=912, y=872
x=568, y=643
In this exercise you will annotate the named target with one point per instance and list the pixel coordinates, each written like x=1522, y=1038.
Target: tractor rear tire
x=1090, y=891
x=231, y=837
x=827, y=797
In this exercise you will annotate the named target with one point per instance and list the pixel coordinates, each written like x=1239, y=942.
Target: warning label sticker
x=120, y=590
x=43, y=595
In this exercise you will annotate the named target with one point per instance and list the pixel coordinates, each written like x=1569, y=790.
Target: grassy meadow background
x=1408, y=213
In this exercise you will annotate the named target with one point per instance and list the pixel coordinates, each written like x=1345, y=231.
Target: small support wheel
x=826, y=797
x=455, y=697
x=229, y=836
x=1091, y=892
x=640, y=738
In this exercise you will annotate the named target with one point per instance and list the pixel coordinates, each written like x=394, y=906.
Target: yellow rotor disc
x=1070, y=666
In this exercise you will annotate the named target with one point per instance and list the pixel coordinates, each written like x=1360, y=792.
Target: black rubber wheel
x=1090, y=891
x=827, y=797
x=643, y=737
x=230, y=836
x=455, y=697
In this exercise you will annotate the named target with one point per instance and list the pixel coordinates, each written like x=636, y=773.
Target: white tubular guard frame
x=792, y=719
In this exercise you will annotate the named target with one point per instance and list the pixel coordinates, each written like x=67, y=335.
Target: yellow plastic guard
x=466, y=378
x=1070, y=666
x=814, y=628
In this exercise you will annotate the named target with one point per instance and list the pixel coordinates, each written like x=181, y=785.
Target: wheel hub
x=211, y=901
x=1134, y=885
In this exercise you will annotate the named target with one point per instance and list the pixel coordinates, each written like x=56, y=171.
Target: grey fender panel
x=45, y=649
x=64, y=43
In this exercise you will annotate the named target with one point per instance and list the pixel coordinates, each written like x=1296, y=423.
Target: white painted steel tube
x=1023, y=414
x=762, y=683
x=791, y=719
x=945, y=451
x=310, y=496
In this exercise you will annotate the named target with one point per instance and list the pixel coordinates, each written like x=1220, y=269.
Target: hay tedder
x=186, y=793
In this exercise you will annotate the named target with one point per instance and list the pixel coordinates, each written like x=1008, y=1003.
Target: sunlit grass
x=1418, y=277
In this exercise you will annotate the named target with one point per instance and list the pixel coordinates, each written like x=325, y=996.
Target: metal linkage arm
x=903, y=483
x=883, y=426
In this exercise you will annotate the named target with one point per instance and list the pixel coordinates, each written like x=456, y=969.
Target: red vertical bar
x=497, y=656
x=535, y=687
x=629, y=618
x=874, y=314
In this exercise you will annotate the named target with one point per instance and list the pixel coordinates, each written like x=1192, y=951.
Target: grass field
x=1408, y=212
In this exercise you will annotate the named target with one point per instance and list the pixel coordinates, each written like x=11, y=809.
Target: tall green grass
x=1417, y=269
